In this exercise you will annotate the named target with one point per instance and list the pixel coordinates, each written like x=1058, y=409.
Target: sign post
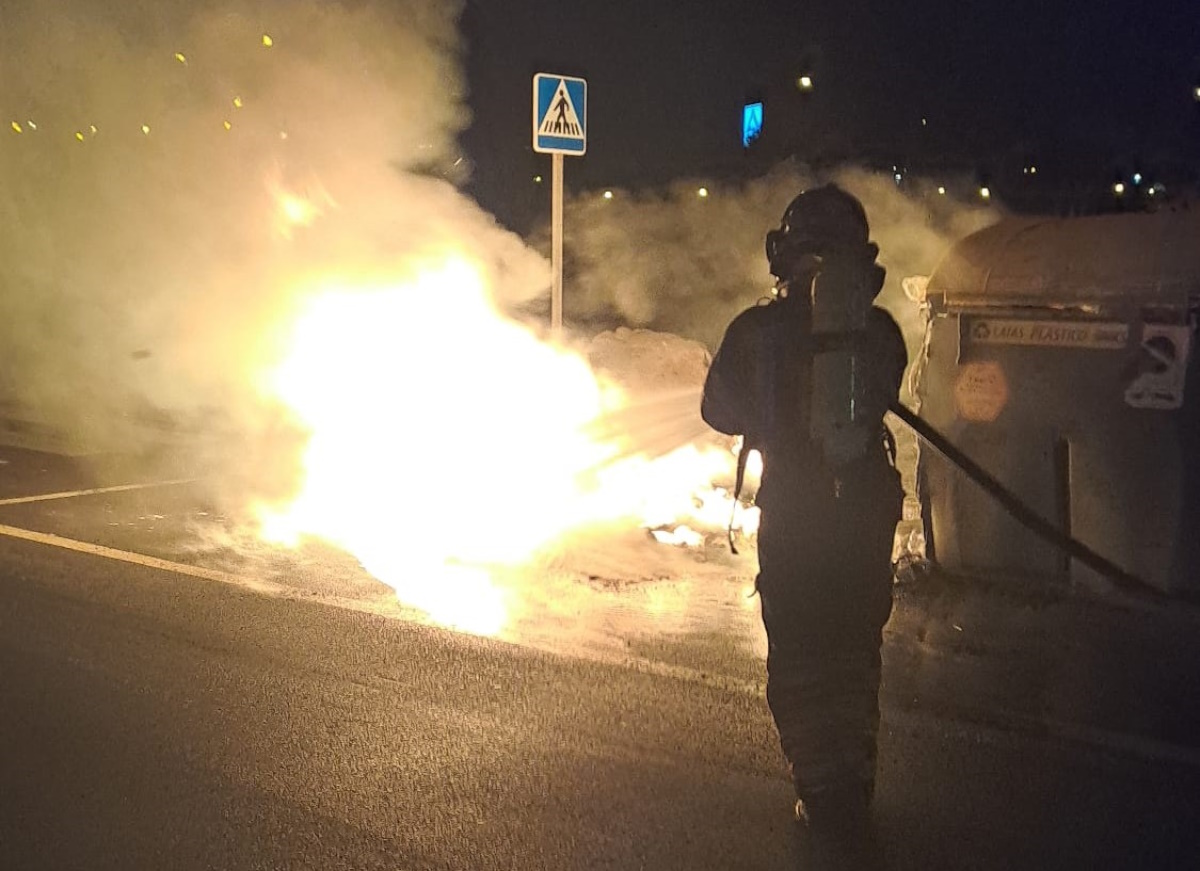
x=556, y=241
x=559, y=128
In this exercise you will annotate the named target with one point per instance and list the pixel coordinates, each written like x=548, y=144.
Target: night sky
x=1082, y=90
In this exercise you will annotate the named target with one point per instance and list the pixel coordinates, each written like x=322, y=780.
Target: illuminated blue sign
x=752, y=122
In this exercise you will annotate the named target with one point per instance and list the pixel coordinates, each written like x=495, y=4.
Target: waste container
x=1061, y=357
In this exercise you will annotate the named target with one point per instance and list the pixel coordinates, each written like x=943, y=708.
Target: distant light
x=537, y=179
x=298, y=210
x=146, y=129
x=1137, y=178
x=608, y=195
x=267, y=41
x=702, y=193
x=16, y=126
x=1118, y=188
x=93, y=129
x=283, y=134
x=237, y=102
x=899, y=177
x=942, y=190
x=31, y=125
x=985, y=192
x=1151, y=191
x=227, y=125
x=1033, y=170
x=804, y=83
x=1196, y=92
x=79, y=135
x=924, y=122
x=179, y=56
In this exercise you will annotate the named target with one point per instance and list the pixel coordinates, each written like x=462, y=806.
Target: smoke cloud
x=676, y=261
x=174, y=176
x=687, y=263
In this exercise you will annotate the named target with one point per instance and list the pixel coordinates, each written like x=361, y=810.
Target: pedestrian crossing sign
x=559, y=114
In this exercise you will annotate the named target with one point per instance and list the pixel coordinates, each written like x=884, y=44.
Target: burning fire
x=445, y=438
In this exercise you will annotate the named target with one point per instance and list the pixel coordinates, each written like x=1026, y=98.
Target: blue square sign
x=559, y=114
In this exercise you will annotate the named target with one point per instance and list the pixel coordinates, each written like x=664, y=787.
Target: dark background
x=1087, y=92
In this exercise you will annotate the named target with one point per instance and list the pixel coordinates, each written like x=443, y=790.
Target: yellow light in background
x=1119, y=188
x=537, y=179
x=941, y=190
x=297, y=210
x=283, y=134
x=237, y=102
x=804, y=83
x=702, y=193
x=1033, y=170
x=608, y=195
x=267, y=41
x=179, y=56
x=92, y=128
x=16, y=126
x=31, y=125
x=227, y=126
x=146, y=129
x=79, y=135
x=985, y=192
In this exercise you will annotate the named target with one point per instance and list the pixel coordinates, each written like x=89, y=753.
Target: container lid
x=1100, y=260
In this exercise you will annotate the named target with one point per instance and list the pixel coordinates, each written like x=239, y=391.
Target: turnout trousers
x=825, y=584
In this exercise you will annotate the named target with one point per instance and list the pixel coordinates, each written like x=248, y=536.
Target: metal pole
x=556, y=243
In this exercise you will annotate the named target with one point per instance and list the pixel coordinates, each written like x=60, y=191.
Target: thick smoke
x=176, y=175
x=676, y=261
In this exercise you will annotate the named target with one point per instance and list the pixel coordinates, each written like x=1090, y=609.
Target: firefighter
x=806, y=378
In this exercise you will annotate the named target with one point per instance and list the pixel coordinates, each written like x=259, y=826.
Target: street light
x=608, y=195
x=941, y=190
x=985, y=192
x=1119, y=188
x=804, y=83
x=702, y=193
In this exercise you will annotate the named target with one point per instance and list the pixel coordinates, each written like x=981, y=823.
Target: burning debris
x=437, y=457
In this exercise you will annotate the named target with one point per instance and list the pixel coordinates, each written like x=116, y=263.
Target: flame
x=446, y=439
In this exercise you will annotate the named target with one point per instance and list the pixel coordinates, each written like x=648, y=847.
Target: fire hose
x=1021, y=512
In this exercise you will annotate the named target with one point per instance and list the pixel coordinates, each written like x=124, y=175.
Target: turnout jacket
x=759, y=386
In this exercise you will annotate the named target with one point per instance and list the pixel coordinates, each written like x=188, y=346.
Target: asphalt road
x=150, y=719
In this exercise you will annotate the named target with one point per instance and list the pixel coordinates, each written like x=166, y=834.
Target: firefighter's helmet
x=819, y=222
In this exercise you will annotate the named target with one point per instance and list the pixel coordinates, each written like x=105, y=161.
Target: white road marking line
x=390, y=608
x=70, y=494
x=152, y=562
